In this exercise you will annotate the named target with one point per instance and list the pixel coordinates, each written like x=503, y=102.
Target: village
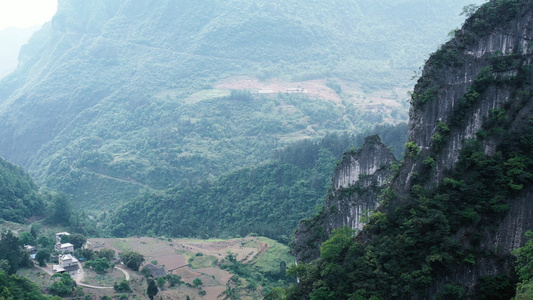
x=182, y=268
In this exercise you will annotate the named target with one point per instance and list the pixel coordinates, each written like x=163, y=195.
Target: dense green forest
x=19, y=195
x=267, y=199
x=112, y=99
x=22, y=201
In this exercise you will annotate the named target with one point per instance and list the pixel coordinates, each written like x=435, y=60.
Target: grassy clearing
x=122, y=245
x=276, y=253
x=205, y=95
x=200, y=261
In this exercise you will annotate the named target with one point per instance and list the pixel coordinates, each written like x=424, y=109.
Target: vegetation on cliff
x=420, y=241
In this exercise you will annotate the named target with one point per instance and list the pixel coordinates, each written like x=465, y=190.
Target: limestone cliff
x=476, y=87
x=356, y=185
x=448, y=223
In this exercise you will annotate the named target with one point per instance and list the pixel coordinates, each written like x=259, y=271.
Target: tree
x=61, y=209
x=12, y=250
x=197, y=282
x=152, y=289
x=33, y=232
x=27, y=238
x=64, y=287
x=42, y=257
x=99, y=265
x=131, y=259
x=122, y=287
x=88, y=254
x=45, y=242
x=77, y=240
x=15, y=287
x=173, y=279
x=106, y=253
x=161, y=282
x=65, y=239
x=4, y=265
x=469, y=10
x=146, y=272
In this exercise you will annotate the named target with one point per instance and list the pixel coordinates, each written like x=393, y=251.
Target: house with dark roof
x=155, y=270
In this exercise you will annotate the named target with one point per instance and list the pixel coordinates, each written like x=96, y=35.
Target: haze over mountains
x=111, y=97
x=11, y=39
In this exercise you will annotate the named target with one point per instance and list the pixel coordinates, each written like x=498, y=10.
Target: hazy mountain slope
x=267, y=199
x=11, y=39
x=104, y=101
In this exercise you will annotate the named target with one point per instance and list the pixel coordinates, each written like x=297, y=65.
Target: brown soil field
x=173, y=253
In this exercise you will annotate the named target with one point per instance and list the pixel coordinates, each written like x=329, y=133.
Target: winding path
x=79, y=277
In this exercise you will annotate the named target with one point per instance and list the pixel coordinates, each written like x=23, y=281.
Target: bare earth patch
x=173, y=253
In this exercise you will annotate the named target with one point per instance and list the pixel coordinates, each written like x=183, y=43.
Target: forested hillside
x=114, y=98
x=267, y=199
x=19, y=195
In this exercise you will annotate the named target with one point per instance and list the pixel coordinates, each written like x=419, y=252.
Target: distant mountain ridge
x=97, y=107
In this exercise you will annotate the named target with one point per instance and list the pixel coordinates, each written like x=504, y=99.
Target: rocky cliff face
x=461, y=202
x=356, y=185
x=477, y=87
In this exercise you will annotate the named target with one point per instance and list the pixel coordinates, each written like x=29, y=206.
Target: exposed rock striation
x=470, y=130
x=356, y=185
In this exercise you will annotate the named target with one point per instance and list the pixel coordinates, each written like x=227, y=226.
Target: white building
x=59, y=235
x=67, y=263
x=64, y=248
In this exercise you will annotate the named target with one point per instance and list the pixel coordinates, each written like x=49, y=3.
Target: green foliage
x=151, y=290
x=197, y=282
x=131, y=259
x=161, y=282
x=497, y=287
x=99, y=265
x=412, y=149
x=132, y=124
x=12, y=250
x=268, y=199
x=77, y=240
x=19, y=196
x=174, y=280
x=108, y=254
x=42, y=256
x=63, y=287
x=122, y=287
x=334, y=85
x=524, y=263
x=417, y=100
x=243, y=95
x=146, y=272
x=406, y=247
x=15, y=287
x=87, y=254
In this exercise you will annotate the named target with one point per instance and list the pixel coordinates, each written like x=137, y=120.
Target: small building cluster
x=67, y=262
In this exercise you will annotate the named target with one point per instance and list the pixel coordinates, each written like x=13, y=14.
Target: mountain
x=19, y=195
x=114, y=98
x=458, y=207
x=11, y=39
x=266, y=199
